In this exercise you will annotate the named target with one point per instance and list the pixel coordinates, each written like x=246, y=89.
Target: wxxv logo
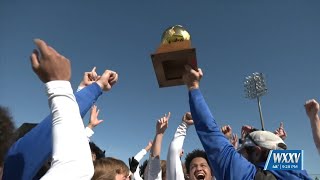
x=284, y=160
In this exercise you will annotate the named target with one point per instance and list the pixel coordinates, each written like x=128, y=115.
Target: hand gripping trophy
x=172, y=55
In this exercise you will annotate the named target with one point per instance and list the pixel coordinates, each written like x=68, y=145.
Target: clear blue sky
x=233, y=39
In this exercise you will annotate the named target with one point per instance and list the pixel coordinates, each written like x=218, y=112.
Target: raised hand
x=245, y=130
x=162, y=124
x=49, y=65
x=191, y=77
x=148, y=147
x=89, y=78
x=187, y=118
x=312, y=109
x=227, y=131
x=94, y=121
x=281, y=132
x=107, y=80
x=235, y=141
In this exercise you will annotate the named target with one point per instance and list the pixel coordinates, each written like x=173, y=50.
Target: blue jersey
x=29, y=153
x=225, y=161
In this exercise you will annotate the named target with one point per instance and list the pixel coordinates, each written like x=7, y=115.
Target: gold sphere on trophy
x=174, y=34
x=173, y=53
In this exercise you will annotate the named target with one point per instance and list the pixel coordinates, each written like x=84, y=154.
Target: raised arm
x=225, y=162
x=134, y=162
x=233, y=138
x=67, y=127
x=24, y=161
x=312, y=110
x=174, y=166
x=93, y=122
x=154, y=166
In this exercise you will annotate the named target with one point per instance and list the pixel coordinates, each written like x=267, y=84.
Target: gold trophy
x=172, y=55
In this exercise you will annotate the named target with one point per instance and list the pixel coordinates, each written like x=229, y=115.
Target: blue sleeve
x=225, y=161
x=29, y=153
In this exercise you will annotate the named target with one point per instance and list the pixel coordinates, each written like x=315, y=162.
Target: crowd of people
x=61, y=146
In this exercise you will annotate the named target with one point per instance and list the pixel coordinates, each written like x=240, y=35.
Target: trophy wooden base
x=169, y=66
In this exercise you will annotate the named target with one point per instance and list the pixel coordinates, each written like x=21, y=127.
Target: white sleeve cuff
x=58, y=86
x=80, y=88
x=89, y=133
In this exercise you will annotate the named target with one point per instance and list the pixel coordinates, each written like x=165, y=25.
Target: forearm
x=223, y=158
x=315, y=126
x=174, y=168
x=154, y=166
x=156, y=147
x=140, y=155
x=23, y=161
x=68, y=135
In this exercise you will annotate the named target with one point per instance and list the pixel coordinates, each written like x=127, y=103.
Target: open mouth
x=200, y=176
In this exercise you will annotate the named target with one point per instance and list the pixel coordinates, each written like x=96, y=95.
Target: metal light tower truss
x=255, y=87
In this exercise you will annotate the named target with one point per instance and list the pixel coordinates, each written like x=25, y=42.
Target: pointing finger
x=43, y=48
x=200, y=72
x=169, y=114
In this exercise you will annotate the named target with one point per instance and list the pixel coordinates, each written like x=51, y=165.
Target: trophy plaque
x=172, y=55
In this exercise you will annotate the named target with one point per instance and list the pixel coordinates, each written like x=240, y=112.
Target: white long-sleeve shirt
x=71, y=152
x=174, y=166
x=138, y=157
x=89, y=132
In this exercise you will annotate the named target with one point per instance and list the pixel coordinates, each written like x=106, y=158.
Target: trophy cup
x=172, y=55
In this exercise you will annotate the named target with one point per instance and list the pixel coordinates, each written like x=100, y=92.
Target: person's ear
x=94, y=157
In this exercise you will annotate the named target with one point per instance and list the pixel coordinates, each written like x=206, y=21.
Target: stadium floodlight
x=255, y=87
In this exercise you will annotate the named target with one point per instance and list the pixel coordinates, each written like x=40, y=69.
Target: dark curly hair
x=194, y=154
x=6, y=132
x=97, y=151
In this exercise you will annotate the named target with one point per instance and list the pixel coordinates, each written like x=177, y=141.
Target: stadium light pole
x=255, y=87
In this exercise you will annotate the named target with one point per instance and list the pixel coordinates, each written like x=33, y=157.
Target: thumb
x=200, y=72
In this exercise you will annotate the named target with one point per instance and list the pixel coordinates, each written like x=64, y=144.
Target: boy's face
x=199, y=169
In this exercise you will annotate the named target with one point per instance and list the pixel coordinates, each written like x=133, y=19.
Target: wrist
x=314, y=118
x=184, y=123
x=82, y=84
x=193, y=86
x=160, y=134
x=90, y=126
x=100, y=84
